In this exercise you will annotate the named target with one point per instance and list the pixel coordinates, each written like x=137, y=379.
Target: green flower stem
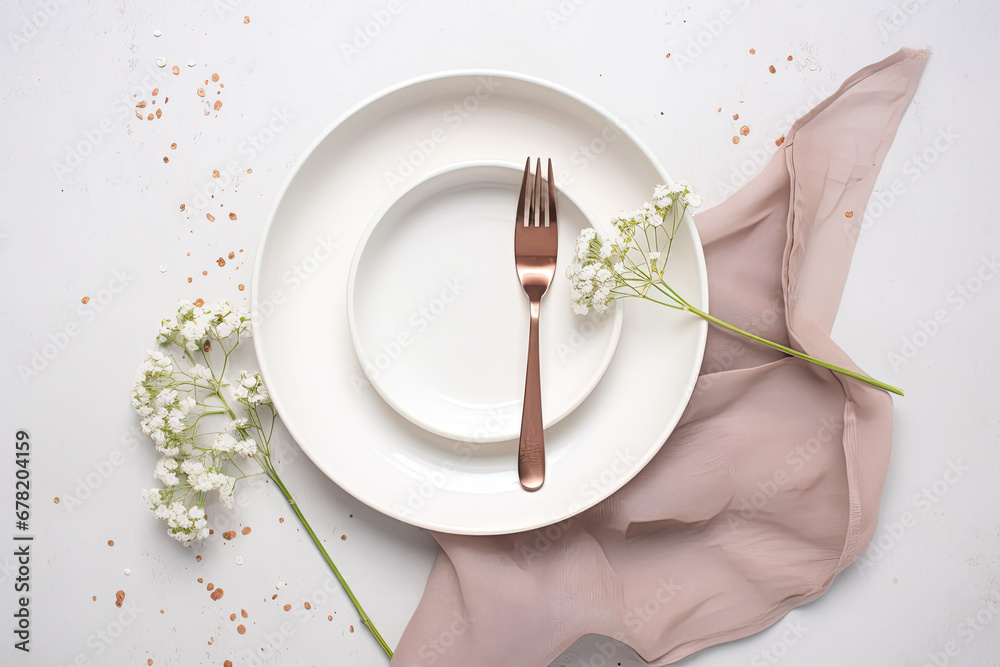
x=329, y=561
x=794, y=353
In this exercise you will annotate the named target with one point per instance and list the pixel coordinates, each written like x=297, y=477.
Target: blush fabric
x=769, y=486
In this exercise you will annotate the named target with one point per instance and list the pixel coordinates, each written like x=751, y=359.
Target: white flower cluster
x=175, y=404
x=635, y=256
x=250, y=389
x=195, y=323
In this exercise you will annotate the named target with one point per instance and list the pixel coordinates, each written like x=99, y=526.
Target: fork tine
x=551, y=221
x=523, y=197
x=536, y=195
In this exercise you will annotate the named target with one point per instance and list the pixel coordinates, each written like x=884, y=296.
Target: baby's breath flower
x=632, y=261
x=177, y=398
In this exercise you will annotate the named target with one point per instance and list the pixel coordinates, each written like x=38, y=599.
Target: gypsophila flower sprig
x=632, y=263
x=211, y=432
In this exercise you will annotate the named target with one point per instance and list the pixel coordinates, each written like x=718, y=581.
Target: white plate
x=304, y=345
x=439, y=319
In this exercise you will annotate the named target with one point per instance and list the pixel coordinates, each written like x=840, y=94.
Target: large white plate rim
x=348, y=484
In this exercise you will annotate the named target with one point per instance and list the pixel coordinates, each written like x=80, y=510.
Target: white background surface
x=64, y=236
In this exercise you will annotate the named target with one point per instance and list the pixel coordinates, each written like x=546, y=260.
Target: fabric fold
x=768, y=487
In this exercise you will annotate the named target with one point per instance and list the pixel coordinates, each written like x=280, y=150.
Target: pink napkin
x=769, y=486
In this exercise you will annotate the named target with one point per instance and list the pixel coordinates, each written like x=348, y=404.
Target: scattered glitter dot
x=218, y=105
x=56, y=500
x=215, y=173
x=232, y=617
x=241, y=629
x=215, y=77
x=287, y=607
x=192, y=63
x=789, y=59
x=156, y=33
x=111, y=543
x=736, y=116
x=246, y=530
x=128, y=572
x=771, y=69
x=736, y=140
x=199, y=303
x=173, y=146
x=182, y=207
x=307, y=605
x=85, y=300
x=246, y=19
x=165, y=159
x=745, y=130
x=176, y=69
x=239, y=560
x=780, y=140
x=280, y=585
x=849, y=214
x=161, y=62
x=241, y=287
x=211, y=218
x=201, y=92
x=753, y=51
x=343, y=537
x=243, y=613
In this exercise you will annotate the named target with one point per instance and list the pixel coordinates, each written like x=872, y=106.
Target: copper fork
x=535, y=246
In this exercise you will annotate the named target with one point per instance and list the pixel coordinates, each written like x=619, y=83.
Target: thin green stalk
x=329, y=561
x=794, y=353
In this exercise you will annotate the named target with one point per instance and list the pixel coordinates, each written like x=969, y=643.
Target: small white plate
x=439, y=319
x=303, y=341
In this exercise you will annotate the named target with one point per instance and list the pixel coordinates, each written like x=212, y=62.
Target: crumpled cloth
x=769, y=486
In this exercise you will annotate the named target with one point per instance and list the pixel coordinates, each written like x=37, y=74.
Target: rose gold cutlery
x=535, y=248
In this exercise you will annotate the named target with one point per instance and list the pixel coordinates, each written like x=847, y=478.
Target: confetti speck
x=780, y=140
x=753, y=51
x=161, y=62
x=745, y=130
x=211, y=218
x=111, y=543
x=849, y=214
x=246, y=530
x=56, y=500
x=128, y=572
x=246, y=19
x=176, y=69
x=241, y=629
x=119, y=598
x=192, y=63
x=239, y=560
x=85, y=300
x=771, y=69
x=736, y=140
x=156, y=33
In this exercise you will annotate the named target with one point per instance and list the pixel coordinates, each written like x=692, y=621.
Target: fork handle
x=531, y=447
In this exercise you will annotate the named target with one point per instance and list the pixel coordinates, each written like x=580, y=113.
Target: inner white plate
x=299, y=305
x=439, y=319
